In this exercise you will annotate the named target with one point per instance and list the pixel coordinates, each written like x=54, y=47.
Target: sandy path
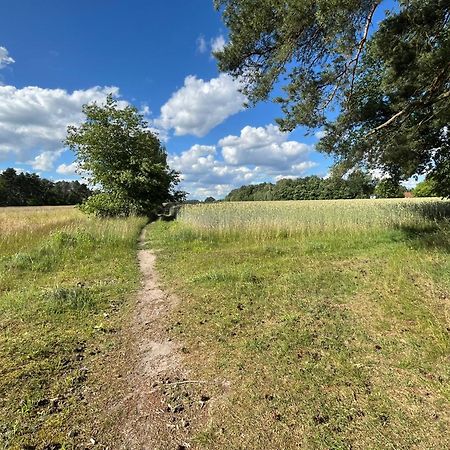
x=160, y=404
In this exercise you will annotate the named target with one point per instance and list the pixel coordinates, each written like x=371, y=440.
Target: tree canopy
x=356, y=185
x=29, y=189
x=121, y=155
x=390, y=86
x=426, y=188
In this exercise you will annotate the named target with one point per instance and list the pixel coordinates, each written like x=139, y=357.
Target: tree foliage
x=426, y=188
x=119, y=152
x=356, y=185
x=28, y=189
x=391, y=86
x=389, y=188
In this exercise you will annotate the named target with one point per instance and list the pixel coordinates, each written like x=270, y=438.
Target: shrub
x=109, y=205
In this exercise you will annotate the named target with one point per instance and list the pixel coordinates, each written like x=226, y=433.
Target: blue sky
x=56, y=55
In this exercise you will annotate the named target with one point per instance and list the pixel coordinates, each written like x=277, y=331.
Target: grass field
x=316, y=325
x=64, y=282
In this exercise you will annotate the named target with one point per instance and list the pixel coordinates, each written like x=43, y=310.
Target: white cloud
x=198, y=159
x=5, y=59
x=45, y=161
x=208, y=169
x=217, y=44
x=204, y=174
x=320, y=134
x=412, y=182
x=201, y=105
x=264, y=146
x=145, y=110
x=33, y=120
x=202, y=46
x=304, y=166
x=67, y=169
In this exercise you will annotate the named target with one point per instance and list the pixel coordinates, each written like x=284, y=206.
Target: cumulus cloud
x=412, y=182
x=67, y=169
x=5, y=59
x=217, y=44
x=45, y=161
x=198, y=159
x=210, y=170
x=34, y=120
x=200, y=105
x=204, y=174
x=263, y=146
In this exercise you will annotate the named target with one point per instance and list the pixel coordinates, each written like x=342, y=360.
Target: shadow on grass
x=435, y=211
x=427, y=237
x=434, y=232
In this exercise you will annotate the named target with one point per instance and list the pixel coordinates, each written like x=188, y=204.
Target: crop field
x=64, y=284
x=315, y=325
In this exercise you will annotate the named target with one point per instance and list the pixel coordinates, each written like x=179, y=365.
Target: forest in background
x=29, y=189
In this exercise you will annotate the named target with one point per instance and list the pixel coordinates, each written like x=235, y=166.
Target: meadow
x=307, y=324
x=315, y=325
x=65, y=284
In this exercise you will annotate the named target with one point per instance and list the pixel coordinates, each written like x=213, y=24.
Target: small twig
x=184, y=382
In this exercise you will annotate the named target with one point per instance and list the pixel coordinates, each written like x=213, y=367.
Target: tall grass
x=21, y=227
x=260, y=219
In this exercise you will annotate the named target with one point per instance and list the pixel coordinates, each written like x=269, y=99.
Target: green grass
x=317, y=339
x=64, y=284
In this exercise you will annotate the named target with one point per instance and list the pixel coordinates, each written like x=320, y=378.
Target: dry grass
x=20, y=227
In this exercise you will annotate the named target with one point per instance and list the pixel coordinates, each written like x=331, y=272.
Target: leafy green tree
x=117, y=150
x=360, y=184
x=426, y=188
x=389, y=188
x=390, y=86
x=3, y=192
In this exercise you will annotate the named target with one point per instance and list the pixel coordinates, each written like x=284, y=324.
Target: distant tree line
x=29, y=189
x=358, y=184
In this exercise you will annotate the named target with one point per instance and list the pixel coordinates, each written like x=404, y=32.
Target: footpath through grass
x=329, y=340
x=64, y=282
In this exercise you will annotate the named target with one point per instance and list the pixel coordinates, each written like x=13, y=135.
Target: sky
x=57, y=55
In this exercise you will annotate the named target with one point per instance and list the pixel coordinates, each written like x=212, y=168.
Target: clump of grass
x=62, y=299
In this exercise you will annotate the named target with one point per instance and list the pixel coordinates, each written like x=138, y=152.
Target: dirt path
x=161, y=404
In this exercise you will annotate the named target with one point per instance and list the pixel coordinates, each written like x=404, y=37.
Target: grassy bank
x=64, y=282
x=327, y=329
